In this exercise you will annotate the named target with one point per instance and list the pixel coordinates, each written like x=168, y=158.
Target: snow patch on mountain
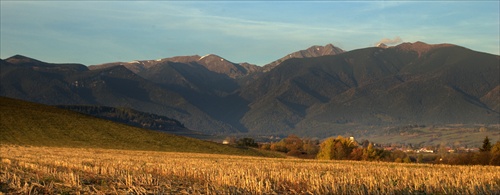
x=204, y=56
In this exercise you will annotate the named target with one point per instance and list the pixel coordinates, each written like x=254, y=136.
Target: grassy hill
x=25, y=123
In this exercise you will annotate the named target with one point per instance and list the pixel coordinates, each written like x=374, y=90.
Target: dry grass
x=48, y=170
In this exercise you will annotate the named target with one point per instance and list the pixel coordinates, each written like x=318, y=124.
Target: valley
x=249, y=97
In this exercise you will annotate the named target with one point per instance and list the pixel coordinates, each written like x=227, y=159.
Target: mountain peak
x=313, y=51
x=17, y=56
x=20, y=59
x=316, y=51
x=211, y=57
x=420, y=47
x=204, y=56
x=329, y=45
x=382, y=45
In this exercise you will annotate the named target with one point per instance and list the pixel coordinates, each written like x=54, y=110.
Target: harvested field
x=42, y=170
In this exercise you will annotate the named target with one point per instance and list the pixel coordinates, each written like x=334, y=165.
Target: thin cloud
x=166, y=28
x=388, y=41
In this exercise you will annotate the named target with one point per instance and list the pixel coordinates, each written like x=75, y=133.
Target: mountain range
x=320, y=91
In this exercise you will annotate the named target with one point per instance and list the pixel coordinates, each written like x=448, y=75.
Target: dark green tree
x=486, y=145
x=247, y=142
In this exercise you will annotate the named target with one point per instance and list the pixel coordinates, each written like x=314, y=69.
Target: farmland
x=59, y=170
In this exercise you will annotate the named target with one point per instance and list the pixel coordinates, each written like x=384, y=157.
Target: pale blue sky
x=258, y=32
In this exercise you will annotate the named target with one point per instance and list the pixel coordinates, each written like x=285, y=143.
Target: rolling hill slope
x=26, y=123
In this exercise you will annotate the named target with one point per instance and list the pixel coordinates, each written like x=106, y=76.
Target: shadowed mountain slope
x=115, y=86
x=408, y=84
x=322, y=91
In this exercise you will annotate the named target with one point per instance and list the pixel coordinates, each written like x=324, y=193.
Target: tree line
x=488, y=154
x=343, y=148
x=128, y=116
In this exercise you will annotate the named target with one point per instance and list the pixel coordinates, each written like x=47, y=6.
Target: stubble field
x=51, y=170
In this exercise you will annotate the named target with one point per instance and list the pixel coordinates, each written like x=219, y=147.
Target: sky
x=257, y=32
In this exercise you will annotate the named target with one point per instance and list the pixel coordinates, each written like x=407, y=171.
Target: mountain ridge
x=343, y=91
x=114, y=86
x=211, y=62
x=313, y=51
x=368, y=76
